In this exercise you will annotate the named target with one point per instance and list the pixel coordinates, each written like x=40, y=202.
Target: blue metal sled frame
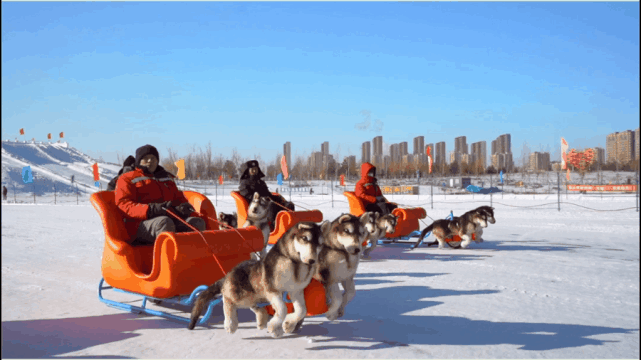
x=177, y=300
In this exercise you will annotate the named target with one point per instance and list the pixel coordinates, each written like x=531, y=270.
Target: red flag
x=62, y=134
x=96, y=174
x=342, y=180
x=283, y=167
x=22, y=131
x=49, y=136
x=220, y=179
x=428, y=150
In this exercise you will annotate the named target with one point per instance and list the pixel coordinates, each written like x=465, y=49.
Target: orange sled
x=284, y=219
x=177, y=265
x=407, y=218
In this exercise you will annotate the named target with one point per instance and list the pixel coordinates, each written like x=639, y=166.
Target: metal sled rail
x=177, y=300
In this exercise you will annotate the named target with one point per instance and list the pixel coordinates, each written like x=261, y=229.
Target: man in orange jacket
x=367, y=190
x=144, y=194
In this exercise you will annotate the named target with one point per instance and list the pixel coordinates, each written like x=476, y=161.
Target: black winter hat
x=129, y=161
x=251, y=164
x=142, y=151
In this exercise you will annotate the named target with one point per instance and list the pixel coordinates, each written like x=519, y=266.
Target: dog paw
x=262, y=323
x=289, y=326
x=231, y=327
x=341, y=312
x=332, y=316
x=275, y=329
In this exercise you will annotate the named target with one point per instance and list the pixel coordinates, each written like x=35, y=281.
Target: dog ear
x=325, y=225
x=305, y=226
x=256, y=196
x=343, y=218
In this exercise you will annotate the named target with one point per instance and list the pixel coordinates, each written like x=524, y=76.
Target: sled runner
x=407, y=225
x=177, y=266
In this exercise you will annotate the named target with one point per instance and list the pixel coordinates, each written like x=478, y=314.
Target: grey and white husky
x=287, y=267
x=377, y=226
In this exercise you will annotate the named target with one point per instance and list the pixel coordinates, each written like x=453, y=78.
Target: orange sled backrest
x=241, y=207
x=356, y=205
x=407, y=221
x=286, y=219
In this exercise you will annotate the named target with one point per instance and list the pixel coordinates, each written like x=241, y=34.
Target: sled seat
x=177, y=263
x=407, y=218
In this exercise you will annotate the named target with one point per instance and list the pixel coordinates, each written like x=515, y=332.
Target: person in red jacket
x=367, y=190
x=144, y=194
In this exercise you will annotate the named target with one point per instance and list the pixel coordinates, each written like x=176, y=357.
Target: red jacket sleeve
x=125, y=197
x=360, y=192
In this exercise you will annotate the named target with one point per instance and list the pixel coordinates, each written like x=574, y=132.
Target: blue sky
x=251, y=76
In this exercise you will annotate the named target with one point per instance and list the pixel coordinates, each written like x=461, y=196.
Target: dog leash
x=286, y=209
x=201, y=235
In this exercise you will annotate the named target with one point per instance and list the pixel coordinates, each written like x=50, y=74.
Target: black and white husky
x=258, y=216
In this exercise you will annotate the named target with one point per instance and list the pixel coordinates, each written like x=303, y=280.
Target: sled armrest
x=204, y=206
x=286, y=219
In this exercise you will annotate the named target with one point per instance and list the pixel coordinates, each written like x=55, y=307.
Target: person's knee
x=164, y=223
x=198, y=223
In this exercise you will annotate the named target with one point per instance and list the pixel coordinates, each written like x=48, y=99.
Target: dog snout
x=312, y=262
x=356, y=251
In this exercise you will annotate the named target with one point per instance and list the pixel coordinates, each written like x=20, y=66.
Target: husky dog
x=230, y=220
x=442, y=229
x=338, y=260
x=380, y=225
x=258, y=216
x=288, y=266
x=488, y=212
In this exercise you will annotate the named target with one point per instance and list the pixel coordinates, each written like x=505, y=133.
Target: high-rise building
x=395, y=153
x=539, y=161
x=439, y=155
x=611, y=147
x=402, y=147
x=460, y=145
x=620, y=147
x=479, y=154
x=502, y=145
x=351, y=162
x=377, y=146
x=494, y=147
x=325, y=148
x=636, y=144
x=419, y=145
x=316, y=161
x=287, y=151
x=625, y=146
x=599, y=155
x=366, y=152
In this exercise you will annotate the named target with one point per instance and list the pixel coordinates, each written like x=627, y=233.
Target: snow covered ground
x=544, y=284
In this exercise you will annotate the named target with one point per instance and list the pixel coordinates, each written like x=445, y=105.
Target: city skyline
x=250, y=76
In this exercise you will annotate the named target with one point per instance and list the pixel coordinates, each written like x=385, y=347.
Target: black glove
x=184, y=210
x=158, y=209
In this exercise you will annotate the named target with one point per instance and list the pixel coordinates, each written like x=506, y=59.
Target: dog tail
x=202, y=300
x=422, y=236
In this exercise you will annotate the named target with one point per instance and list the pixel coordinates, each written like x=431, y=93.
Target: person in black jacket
x=127, y=166
x=251, y=182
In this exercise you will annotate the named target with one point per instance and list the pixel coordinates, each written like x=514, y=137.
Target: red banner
x=342, y=180
x=49, y=136
x=96, y=174
x=62, y=134
x=21, y=131
x=631, y=188
x=283, y=167
x=220, y=179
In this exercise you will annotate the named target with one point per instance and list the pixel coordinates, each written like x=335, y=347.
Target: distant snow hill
x=52, y=164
